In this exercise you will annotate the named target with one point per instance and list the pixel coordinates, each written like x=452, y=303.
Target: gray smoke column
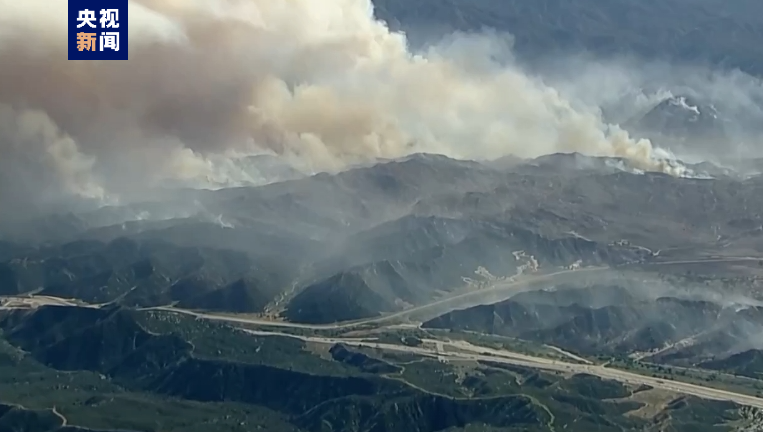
x=319, y=81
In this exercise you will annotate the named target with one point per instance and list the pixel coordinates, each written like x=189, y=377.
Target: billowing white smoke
x=319, y=81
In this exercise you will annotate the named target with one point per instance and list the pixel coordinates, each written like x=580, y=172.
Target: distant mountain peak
x=680, y=118
x=687, y=106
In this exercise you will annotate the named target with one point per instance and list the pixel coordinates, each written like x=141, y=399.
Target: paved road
x=24, y=302
x=64, y=422
x=466, y=351
x=703, y=261
x=462, y=350
x=454, y=301
x=459, y=301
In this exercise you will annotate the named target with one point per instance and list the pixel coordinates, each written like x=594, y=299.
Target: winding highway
x=441, y=306
x=705, y=260
x=464, y=351
x=452, y=350
x=463, y=300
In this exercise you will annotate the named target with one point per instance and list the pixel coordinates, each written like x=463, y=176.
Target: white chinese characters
x=86, y=17
x=98, y=30
x=109, y=40
x=109, y=18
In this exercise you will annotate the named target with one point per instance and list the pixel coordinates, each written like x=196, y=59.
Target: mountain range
x=420, y=293
x=384, y=237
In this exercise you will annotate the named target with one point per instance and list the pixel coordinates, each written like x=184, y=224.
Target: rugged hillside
x=217, y=364
x=683, y=118
x=678, y=327
x=386, y=237
x=747, y=363
x=554, y=212
x=131, y=370
x=416, y=259
x=191, y=309
x=143, y=273
x=18, y=418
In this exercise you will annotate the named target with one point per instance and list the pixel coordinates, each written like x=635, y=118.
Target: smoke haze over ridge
x=319, y=81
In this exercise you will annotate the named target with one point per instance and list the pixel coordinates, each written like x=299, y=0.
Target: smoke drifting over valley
x=320, y=82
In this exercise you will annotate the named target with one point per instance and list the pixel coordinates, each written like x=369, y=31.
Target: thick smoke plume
x=319, y=81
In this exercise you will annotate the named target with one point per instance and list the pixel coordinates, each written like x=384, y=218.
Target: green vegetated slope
x=116, y=368
x=143, y=273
